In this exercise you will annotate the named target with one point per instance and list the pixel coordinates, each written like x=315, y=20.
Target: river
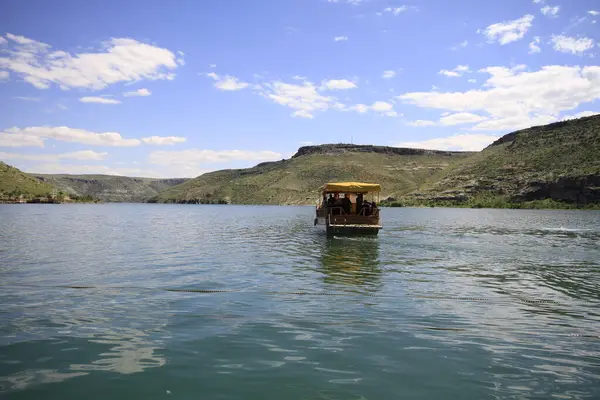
x=154, y=301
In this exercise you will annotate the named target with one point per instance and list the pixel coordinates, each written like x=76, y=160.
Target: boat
x=356, y=215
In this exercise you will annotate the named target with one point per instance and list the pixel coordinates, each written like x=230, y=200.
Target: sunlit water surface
x=442, y=304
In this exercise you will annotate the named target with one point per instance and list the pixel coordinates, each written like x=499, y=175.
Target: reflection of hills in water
x=351, y=261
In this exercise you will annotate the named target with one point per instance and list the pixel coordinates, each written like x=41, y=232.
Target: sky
x=176, y=89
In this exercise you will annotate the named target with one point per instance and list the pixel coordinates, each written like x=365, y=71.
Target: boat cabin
x=349, y=207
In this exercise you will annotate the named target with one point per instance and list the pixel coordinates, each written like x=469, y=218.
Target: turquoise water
x=442, y=304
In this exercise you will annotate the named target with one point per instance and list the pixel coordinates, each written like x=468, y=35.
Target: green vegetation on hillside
x=14, y=182
x=110, y=188
x=559, y=161
x=295, y=181
x=18, y=187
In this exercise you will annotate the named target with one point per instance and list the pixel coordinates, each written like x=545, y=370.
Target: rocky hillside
x=559, y=161
x=110, y=188
x=294, y=181
x=14, y=182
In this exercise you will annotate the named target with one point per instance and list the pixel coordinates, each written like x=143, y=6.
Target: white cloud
x=196, y=157
x=538, y=1
x=550, y=10
x=84, y=155
x=461, y=118
x=4, y=75
x=594, y=13
x=421, y=122
x=163, y=141
x=3, y=40
x=227, y=83
x=533, y=46
x=462, y=44
x=25, y=98
x=472, y=80
x=20, y=140
x=466, y=142
x=581, y=115
x=119, y=60
x=338, y=84
x=515, y=98
x=395, y=10
x=303, y=98
x=302, y=114
x=566, y=44
x=449, y=119
x=99, y=100
x=139, y=92
x=340, y=38
x=388, y=74
x=64, y=134
x=509, y=31
x=456, y=72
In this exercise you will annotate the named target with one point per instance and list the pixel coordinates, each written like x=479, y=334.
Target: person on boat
x=346, y=203
x=359, y=203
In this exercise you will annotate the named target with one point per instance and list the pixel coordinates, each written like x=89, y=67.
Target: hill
x=559, y=162
x=109, y=188
x=14, y=182
x=294, y=181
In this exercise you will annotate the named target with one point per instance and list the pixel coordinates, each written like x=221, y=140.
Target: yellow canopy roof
x=350, y=187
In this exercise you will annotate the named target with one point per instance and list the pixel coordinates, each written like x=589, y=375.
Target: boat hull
x=345, y=229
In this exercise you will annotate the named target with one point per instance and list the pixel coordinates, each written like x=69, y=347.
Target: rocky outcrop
x=574, y=190
x=333, y=149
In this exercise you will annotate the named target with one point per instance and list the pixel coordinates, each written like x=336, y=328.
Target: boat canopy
x=351, y=187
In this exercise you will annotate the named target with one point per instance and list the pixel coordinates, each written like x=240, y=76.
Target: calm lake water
x=443, y=304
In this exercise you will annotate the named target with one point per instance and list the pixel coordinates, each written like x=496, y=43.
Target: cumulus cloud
x=566, y=44
x=20, y=140
x=227, y=83
x=451, y=119
x=163, y=141
x=395, y=10
x=84, y=155
x=550, y=10
x=465, y=142
x=4, y=75
x=456, y=72
x=338, y=84
x=421, y=122
x=509, y=31
x=139, y=92
x=193, y=162
x=594, y=13
x=3, y=40
x=515, y=99
x=340, y=38
x=533, y=46
x=119, y=60
x=64, y=134
x=99, y=100
x=303, y=98
x=388, y=74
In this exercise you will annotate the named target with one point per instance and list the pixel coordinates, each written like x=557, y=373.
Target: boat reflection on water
x=351, y=261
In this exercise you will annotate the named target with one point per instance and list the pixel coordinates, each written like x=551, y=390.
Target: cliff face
x=110, y=188
x=336, y=149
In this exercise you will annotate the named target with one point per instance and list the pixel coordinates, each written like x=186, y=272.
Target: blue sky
x=148, y=88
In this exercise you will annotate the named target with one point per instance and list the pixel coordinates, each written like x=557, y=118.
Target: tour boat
x=345, y=209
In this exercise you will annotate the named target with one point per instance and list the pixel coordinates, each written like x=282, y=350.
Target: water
x=444, y=303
